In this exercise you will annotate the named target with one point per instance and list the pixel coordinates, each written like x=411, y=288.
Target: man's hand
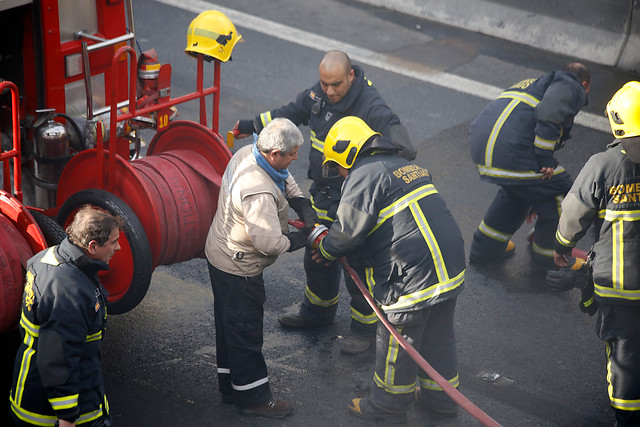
x=317, y=258
x=560, y=260
x=245, y=128
x=547, y=173
x=298, y=239
x=64, y=423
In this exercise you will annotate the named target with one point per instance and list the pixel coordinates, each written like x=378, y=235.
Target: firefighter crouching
x=409, y=250
x=57, y=377
x=607, y=191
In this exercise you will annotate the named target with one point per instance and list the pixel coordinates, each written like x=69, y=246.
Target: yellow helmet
x=212, y=34
x=623, y=111
x=345, y=139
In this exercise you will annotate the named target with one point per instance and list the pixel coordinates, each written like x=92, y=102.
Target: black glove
x=587, y=303
x=246, y=127
x=304, y=210
x=298, y=239
x=568, y=278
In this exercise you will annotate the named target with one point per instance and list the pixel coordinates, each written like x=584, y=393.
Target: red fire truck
x=75, y=97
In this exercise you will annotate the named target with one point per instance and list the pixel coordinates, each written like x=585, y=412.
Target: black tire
x=53, y=233
x=136, y=238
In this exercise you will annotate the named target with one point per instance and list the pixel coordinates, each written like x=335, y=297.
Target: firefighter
x=398, y=233
x=512, y=143
x=247, y=234
x=607, y=191
x=342, y=90
x=58, y=371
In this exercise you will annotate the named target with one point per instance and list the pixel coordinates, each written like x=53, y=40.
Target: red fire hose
x=458, y=397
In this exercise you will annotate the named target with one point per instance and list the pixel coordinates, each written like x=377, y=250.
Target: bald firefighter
x=398, y=233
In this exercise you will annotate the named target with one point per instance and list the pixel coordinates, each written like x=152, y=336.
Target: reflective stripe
x=30, y=328
x=49, y=420
x=392, y=388
x=429, y=384
x=617, y=254
x=402, y=203
x=316, y=143
x=560, y=238
x=623, y=404
x=50, y=257
x=253, y=385
x=322, y=214
x=393, y=349
x=493, y=233
x=610, y=215
x=607, y=292
x=265, y=118
x=65, y=402
x=25, y=364
x=542, y=251
x=224, y=371
x=326, y=255
x=522, y=97
x=432, y=243
x=361, y=318
x=94, y=337
x=90, y=416
x=316, y=300
x=493, y=136
x=371, y=283
x=559, y=200
x=504, y=173
x=544, y=144
x=431, y=292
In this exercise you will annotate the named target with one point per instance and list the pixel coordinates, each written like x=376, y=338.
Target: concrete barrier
x=600, y=31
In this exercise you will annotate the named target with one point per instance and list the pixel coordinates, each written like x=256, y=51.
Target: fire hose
x=313, y=239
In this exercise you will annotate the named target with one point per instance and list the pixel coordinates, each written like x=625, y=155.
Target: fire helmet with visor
x=212, y=34
x=623, y=112
x=343, y=143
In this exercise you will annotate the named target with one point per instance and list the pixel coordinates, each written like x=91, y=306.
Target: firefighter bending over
x=409, y=250
x=58, y=371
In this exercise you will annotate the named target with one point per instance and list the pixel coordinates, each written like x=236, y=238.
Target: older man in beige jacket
x=248, y=233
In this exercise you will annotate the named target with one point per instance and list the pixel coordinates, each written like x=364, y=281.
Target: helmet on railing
x=212, y=34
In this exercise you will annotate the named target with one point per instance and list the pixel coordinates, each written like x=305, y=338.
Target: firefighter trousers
x=238, y=304
x=321, y=297
x=619, y=327
x=508, y=211
x=431, y=332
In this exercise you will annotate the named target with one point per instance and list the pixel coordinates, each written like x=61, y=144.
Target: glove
x=246, y=127
x=298, y=239
x=587, y=303
x=304, y=210
x=564, y=279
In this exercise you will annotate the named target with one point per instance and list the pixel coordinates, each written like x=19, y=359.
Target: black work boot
x=270, y=409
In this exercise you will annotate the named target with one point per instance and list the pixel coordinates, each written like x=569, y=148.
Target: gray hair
x=280, y=134
x=92, y=223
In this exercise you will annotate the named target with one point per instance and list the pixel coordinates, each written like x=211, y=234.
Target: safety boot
x=433, y=408
x=354, y=344
x=270, y=409
x=295, y=320
x=363, y=408
x=486, y=259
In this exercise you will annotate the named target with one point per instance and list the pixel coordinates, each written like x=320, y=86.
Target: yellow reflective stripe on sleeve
x=432, y=243
x=64, y=402
x=50, y=257
x=94, y=337
x=493, y=136
x=364, y=319
x=509, y=174
x=315, y=300
x=493, y=233
x=25, y=365
x=30, y=328
x=316, y=143
x=560, y=238
x=265, y=118
x=324, y=253
x=402, y=203
x=90, y=416
x=429, y=384
x=424, y=294
x=32, y=417
x=617, y=254
x=544, y=144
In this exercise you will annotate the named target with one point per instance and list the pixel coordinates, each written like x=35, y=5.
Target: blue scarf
x=278, y=176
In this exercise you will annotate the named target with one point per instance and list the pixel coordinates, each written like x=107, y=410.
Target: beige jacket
x=247, y=232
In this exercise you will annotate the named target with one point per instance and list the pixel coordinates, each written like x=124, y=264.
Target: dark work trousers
x=431, y=332
x=238, y=312
x=619, y=327
x=321, y=297
x=508, y=212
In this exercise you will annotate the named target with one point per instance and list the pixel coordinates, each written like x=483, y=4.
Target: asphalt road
x=527, y=357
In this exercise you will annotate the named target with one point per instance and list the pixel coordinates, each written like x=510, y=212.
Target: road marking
x=384, y=62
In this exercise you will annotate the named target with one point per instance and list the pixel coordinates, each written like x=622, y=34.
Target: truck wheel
x=51, y=230
x=130, y=270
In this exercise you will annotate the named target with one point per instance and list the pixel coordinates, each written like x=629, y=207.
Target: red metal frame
x=15, y=153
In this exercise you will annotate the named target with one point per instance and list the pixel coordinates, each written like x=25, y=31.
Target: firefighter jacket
x=516, y=135
x=395, y=222
x=247, y=232
x=58, y=370
x=607, y=191
x=313, y=108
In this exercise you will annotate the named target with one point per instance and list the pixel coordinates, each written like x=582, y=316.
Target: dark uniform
x=512, y=138
x=607, y=191
x=313, y=108
x=409, y=251
x=58, y=371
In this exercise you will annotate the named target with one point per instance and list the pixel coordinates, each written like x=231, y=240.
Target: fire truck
x=76, y=96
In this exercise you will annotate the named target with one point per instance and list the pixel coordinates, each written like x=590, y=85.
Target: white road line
x=364, y=56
